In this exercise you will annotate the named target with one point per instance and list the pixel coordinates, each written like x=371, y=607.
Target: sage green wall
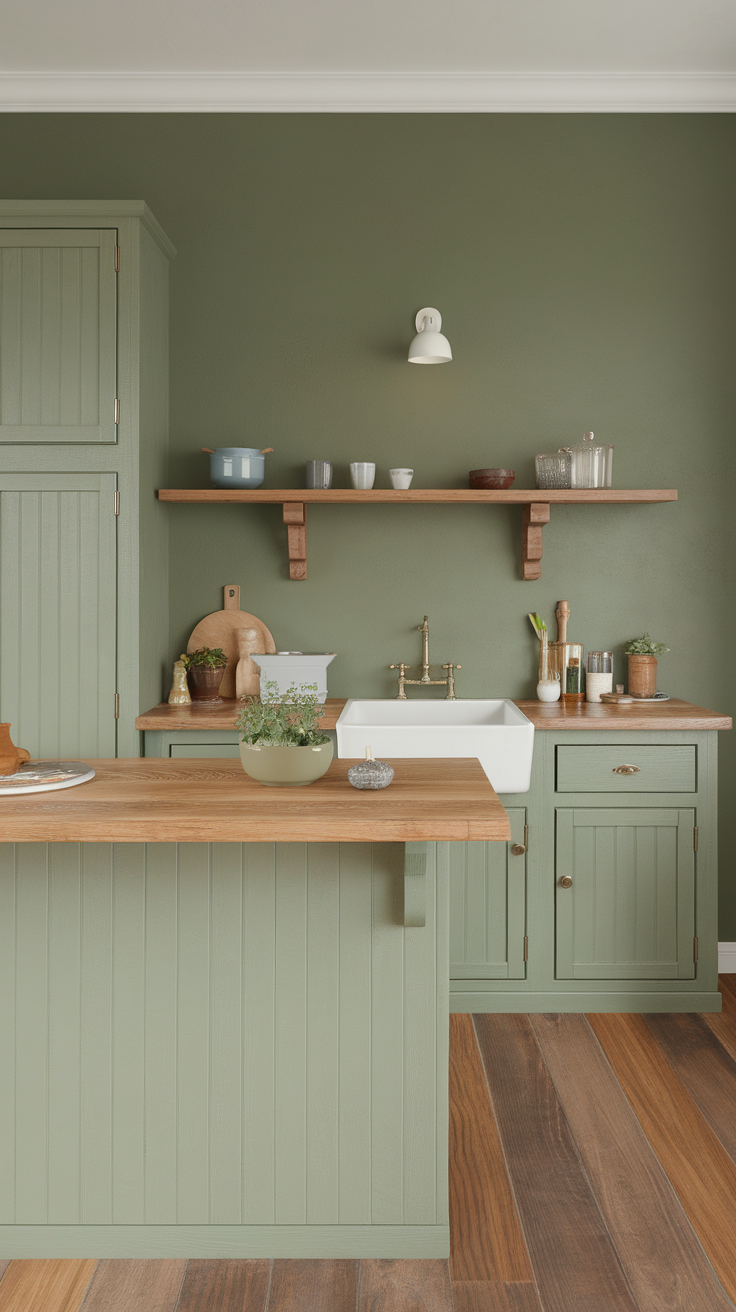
x=585, y=269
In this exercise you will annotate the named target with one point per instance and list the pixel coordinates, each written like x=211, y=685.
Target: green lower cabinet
x=625, y=893
x=488, y=906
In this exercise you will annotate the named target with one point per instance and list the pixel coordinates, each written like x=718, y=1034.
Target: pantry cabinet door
x=488, y=906
x=58, y=613
x=629, y=911
x=58, y=369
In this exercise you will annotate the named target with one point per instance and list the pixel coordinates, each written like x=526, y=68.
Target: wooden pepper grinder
x=11, y=757
x=568, y=658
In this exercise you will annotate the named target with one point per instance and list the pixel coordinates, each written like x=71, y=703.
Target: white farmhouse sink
x=495, y=731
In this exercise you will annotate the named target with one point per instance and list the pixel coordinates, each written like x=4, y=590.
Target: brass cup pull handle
x=566, y=881
x=626, y=769
x=517, y=849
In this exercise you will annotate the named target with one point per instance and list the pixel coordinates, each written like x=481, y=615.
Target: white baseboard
x=727, y=958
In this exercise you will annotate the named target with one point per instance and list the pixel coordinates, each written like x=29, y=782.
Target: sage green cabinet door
x=58, y=311
x=58, y=612
x=629, y=912
x=488, y=907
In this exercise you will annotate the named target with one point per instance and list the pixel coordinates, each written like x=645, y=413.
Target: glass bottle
x=568, y=657
x=591, y=463
x=548, y=688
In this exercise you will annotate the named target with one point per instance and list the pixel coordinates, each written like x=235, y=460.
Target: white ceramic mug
x=362, y=475
x=401, y=478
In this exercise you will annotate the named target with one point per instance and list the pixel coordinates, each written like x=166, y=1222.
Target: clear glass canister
x=591, y=463
x=553, y=471
x=599, y=676
x=568, y=658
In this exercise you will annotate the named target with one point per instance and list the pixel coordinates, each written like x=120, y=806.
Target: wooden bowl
x=491, y=478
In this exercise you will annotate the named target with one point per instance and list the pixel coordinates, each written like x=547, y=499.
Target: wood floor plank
x=698, y=1166
x=574, y=1262
x=225, y=1286
x=45, y=1284
x=486, y=1238
x=495, y=1296
x=135, y=1285
x=705, y=1068
x=314, y=1284
x=3, y=1265
x=723, y=1023
x=659, y=1251
x=404, y=1286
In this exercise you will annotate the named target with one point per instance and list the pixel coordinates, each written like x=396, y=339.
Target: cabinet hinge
x=117, y=501
x=117, y=411
x=695, y=949
x=526, y=837
x=695, y=839
x=526, y=948
x=117, y=705
x=117, y=259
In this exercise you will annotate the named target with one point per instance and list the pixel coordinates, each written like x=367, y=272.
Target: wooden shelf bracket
x=415, y=885
x=295, y=518
x=536, y=515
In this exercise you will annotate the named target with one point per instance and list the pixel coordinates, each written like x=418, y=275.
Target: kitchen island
x=224, y=1010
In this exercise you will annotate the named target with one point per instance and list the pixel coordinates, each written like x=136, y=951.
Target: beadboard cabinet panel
x=57, y=335
x=488, y=906
x=58, y=612
x=221, y=1036
x=630, y=910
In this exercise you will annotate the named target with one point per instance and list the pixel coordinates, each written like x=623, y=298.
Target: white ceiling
x=470, y=47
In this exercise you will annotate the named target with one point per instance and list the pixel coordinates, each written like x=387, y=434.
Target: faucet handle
x=402, y=667
x=450, y=666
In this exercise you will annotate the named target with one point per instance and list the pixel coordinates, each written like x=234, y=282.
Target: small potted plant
x=642, y=654
x=205, y=668
x=281, y=743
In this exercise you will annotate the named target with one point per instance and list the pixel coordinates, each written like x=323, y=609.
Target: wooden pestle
x=562, y=614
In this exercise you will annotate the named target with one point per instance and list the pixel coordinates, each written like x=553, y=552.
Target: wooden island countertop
x=673, y=715
x=213, y=801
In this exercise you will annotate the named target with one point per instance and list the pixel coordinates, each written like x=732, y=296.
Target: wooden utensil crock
x=11, y=757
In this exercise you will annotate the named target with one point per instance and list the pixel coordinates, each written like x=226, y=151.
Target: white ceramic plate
x=45, y=777
x=658, y=697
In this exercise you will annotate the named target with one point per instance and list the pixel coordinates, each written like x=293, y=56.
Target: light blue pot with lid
x=237, y=466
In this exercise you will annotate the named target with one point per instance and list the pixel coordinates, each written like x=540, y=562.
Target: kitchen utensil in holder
x=548, y=687
x=568, y=658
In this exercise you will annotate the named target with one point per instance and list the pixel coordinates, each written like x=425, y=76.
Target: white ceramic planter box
x=287, y=668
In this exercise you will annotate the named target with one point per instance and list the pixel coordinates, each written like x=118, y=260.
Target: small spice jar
x=569, y=665
x=599, y=675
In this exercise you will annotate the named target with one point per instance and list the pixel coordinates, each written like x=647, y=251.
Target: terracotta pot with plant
x=642, y=654
x=281, y=743
x=205, y=668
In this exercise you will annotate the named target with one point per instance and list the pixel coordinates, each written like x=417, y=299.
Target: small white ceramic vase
x=362, y=475
x=401, y=478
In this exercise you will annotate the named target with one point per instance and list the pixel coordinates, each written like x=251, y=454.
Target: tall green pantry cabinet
x=83, y=446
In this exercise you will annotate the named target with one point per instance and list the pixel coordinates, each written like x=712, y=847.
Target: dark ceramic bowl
x=491, y=478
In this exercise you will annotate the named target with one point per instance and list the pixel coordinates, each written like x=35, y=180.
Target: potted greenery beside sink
x=642, y=654
x=281, y=743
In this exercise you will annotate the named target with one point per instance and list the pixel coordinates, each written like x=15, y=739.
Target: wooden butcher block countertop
x=198, y=801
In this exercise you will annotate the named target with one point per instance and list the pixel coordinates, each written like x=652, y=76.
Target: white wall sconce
x=429, y=345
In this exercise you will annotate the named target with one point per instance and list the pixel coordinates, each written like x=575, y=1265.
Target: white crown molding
x=411, y=93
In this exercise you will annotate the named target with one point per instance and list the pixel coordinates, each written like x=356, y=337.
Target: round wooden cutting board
x=220, y=629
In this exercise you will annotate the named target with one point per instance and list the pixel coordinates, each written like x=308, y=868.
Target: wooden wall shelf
x=535, y=501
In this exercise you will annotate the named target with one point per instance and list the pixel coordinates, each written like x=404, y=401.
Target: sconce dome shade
x=429, y=346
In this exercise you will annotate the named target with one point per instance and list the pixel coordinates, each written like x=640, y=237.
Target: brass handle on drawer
x=626, y=769
x=566, y=881
x=518, y=849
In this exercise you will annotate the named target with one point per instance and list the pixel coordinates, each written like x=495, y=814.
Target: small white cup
x=401, y=478
x=362, y=475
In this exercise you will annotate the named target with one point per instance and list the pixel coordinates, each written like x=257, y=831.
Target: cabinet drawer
x=596, y=769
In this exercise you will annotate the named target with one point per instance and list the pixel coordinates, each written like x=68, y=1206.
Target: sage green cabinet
x=625, y=893
x=83, y=446
x=58, y=329
x=488, y=906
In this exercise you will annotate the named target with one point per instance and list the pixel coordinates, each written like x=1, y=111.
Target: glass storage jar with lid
x=554, y=470
x=591, y=463
x=599, y=675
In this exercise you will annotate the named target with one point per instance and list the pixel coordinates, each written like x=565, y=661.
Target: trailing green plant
x=210, y=657
x=286, y=721
x=644, y=646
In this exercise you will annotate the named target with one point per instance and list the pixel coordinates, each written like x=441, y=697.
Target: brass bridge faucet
x=402, y=667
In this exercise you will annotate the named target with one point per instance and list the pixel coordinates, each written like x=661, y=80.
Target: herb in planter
x=644, y=647
x=209, y=657
x=289, y=722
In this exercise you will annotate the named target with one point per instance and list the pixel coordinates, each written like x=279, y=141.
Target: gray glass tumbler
x=319, y=473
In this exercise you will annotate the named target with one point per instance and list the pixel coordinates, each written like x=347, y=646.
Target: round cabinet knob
x=518, y=849
x=626, y=769
x=566, y=881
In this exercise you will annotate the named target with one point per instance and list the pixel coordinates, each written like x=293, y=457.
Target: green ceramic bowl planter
x=281, y=744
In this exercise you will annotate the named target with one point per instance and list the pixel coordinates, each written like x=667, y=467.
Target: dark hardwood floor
x=592, y=1169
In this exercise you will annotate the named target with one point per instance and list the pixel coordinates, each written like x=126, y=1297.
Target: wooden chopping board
x=220, y=629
